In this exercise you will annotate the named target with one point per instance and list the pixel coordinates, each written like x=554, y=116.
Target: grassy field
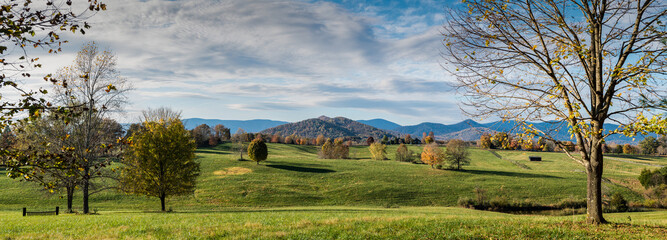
x=330, y=223
x=296, y=195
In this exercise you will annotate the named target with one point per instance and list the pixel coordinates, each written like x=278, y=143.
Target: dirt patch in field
x=232, y=171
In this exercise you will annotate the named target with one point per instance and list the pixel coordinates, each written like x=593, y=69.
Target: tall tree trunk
x=594, y=181
x=70, y=197
x=86, y=185
x=162, y=198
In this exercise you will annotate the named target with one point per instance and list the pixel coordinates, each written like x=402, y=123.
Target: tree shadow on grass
x=509, y=174
x=301, y=169
x=342, y=210
x=307, y=149
x=211, y=151
x=635, y=157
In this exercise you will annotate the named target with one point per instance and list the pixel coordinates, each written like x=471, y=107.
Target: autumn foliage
x=432, y=154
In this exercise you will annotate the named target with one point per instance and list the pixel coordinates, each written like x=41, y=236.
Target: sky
x=284, y=60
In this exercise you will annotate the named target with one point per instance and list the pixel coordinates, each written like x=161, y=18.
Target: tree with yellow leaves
x=378, y=151
x=432, y=154
x=578, y=63
x=161, y=161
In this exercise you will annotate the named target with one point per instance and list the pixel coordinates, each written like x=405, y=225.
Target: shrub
x=276, y=138
x=572, y=203
x=201, y=134
x=499, y=203
x=650, y=178
x=327, y=149
x=370, y=141
x=257, y=150
x=662, y=150
x=501, y=140
x=485, y=141
x=408, y=139
x=618, y=149
x=403, y=154
x=385, y=140
x=628, y=149
x=618, y=202
x=432, y=155
x=213, y=140
x=378, y=151
x=319, y=141
x=466, y=202
x=649, y=145
x=480, y=193
x=340, y=149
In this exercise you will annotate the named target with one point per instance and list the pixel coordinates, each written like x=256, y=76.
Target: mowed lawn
x=296, y=195
x=330, y=223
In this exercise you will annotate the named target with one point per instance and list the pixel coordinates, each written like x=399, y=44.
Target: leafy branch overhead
x=25, y=25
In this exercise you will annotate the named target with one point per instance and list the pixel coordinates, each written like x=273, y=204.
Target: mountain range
x=467, y=130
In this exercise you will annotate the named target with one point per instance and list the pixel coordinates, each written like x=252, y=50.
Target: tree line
x=502, y=140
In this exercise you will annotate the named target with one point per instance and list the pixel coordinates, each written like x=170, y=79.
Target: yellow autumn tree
x=432, y=154
x=378, y=151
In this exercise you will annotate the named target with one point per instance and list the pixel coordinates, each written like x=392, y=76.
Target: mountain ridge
x=468, y=130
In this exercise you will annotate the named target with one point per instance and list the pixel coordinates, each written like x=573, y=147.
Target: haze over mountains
x=467, y=130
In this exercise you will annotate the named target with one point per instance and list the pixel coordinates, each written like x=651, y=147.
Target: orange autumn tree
x=432, y=154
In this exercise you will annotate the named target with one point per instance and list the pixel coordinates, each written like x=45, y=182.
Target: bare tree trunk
x=70, y=198
x=86, y=185
x=162, y=199
x=594, y=196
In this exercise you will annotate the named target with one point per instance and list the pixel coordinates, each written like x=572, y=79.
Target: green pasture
x=296, y=195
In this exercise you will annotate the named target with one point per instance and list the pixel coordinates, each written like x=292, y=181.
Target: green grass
x=329, y=223
x=294, y=176
x=296, y=195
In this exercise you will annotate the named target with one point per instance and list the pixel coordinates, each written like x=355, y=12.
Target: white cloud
x=264, y=56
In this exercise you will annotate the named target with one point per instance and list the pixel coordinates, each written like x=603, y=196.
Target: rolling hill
x=329, y=127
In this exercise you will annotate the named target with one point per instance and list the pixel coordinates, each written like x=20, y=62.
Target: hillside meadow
x=296, y=195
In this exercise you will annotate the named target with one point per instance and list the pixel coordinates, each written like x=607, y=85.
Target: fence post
x=24, y=211
x=57, y=210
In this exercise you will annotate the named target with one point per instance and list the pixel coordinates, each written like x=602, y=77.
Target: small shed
x=535, y=158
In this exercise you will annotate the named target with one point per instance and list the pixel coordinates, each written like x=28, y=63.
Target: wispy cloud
x=284, y=58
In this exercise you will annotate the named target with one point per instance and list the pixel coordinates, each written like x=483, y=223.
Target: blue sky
x=282, y=60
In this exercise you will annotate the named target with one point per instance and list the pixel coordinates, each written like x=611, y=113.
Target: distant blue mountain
x=436, y=128
x=256, y=125
x=470, y=130
x=380, y=123
x=467, y=130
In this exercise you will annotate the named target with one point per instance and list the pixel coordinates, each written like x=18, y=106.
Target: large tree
x=50, y=134
x=25, y=25
x=161, y=161
x=582, y=63
x=96, y=90
x=202, y=134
